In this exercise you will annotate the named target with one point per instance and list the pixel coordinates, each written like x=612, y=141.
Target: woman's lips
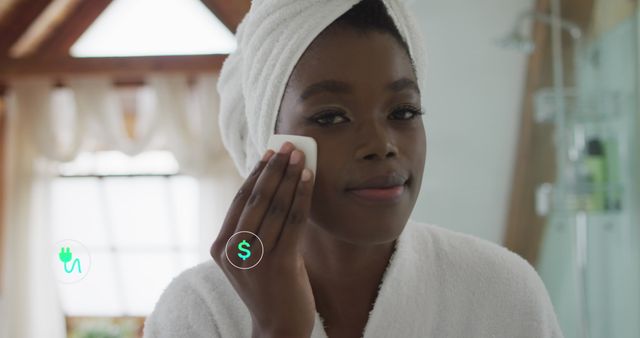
x=380, y=195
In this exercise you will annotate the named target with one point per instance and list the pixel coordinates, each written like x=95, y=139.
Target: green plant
x=104, y=328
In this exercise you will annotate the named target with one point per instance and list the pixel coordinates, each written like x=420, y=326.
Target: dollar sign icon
x=243, y=247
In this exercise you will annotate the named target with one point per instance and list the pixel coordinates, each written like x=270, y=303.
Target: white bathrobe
x=439, y=284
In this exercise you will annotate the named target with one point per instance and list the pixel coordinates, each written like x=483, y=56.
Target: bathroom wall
x=473, y=104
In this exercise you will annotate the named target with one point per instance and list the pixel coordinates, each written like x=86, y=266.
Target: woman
x=337, y=263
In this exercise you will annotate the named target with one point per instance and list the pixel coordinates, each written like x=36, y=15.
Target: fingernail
x=267, y=155
x=306, y=175
x=286, y=147
x=295, y=157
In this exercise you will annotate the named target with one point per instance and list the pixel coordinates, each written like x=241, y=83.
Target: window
x=137, y=216
x=155, y=27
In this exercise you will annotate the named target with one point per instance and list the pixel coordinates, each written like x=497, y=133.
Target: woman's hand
x=273, y=203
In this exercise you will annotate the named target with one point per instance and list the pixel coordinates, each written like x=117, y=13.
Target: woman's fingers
x=271, y=201
x=276, y=215
x=237, y=205
x=263, y=191
x=298, y=214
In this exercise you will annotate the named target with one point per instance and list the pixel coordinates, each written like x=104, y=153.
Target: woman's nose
x=375, y=141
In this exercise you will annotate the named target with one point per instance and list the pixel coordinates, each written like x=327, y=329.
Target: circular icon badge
x=244, y=250
x=71, y=261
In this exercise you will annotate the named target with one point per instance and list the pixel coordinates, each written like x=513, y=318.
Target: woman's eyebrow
x=341, y=87
x=402, y=84
x=331, y=86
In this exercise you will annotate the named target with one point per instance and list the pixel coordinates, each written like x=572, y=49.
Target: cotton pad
x=305, y=144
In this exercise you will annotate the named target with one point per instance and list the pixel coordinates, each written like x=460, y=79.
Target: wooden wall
x=535, y=158
x=3, y=119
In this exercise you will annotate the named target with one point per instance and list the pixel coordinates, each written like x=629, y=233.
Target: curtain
x=49, y=126
x=29, y=296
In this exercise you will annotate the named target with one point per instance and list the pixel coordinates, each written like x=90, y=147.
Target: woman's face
x=355, y=95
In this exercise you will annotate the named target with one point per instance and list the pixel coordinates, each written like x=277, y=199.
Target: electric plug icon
x=66, y=257
x=70, y=260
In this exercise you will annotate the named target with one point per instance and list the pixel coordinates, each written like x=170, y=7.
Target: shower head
x=518, y=41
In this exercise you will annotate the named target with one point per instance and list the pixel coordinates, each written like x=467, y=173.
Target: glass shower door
x=590, y=255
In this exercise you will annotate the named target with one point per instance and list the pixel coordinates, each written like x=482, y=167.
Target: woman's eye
x=334, y=118
x=329, y=119
x=407, y=113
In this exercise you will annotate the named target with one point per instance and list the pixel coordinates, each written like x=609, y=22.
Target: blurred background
x=114, y=178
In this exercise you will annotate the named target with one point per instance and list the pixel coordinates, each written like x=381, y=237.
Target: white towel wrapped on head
x=271, y=39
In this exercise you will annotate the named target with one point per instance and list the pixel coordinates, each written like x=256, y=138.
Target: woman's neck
x=345, y=277
x=341, y=261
